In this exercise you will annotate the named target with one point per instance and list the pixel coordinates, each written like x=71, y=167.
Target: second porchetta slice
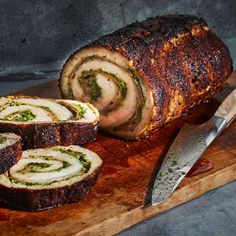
x=45, y=122
x=148, y=73
x=49, y=177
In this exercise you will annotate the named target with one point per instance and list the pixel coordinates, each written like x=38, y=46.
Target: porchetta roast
x=148, y=73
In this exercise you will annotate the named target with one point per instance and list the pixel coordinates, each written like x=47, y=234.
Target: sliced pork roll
x=148, y=73
x=50, y=177
x=48, y=122
x=10, y=150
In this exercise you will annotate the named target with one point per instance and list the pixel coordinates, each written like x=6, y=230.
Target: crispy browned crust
x=176, y=56
x=35, y=135
x=35, y=200
x=9, y=156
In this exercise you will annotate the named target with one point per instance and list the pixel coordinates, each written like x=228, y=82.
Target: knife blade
x=189, y=145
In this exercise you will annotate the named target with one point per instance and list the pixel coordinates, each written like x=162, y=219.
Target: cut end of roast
x=108, y=81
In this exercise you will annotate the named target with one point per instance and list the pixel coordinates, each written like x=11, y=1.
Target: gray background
x=46, y=32
x=37, y=36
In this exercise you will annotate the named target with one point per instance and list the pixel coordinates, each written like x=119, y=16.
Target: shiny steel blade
x=186, y=149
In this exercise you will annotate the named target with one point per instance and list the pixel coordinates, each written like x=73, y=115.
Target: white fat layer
x=11, y=139
x=109, y=92
x=90, y=156
x=142, y=125
x=40, y=114
x=125, y=110
x=61, y=112
x=91, y=113
x=3, y=101
x=46, y=175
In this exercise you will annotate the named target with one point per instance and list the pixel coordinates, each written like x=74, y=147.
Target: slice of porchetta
x=45, y=122
x=10, y=150
x=49, y=177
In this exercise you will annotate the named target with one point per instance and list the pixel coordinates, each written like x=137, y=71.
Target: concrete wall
x=45, y=31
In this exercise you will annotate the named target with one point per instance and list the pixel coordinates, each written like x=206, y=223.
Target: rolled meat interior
x=148, y=73
x=49, y=177
x=48, y=122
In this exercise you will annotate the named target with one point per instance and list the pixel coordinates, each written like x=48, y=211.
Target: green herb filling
x=79, y=155
x=23, y=116
x=34, y=167
x=95, y=90
x=15, y=103
x=80, y=110
x=135, y=76
x=2, y=139
x=65, y=164
x=123, y=88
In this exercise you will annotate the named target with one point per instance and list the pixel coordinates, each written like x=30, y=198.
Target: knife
x=187, y=148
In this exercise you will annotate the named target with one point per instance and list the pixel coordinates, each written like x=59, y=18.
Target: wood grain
x=118, y=199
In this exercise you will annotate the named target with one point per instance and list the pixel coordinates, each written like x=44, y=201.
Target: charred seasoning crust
x=48, y=134
x=9, y=156
x=35, y=135
x=42, y=199
x=178, y=57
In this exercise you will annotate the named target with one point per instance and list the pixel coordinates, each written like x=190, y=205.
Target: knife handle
x=227, y=109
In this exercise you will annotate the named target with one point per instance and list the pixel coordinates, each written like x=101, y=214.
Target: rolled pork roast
x=145, y=75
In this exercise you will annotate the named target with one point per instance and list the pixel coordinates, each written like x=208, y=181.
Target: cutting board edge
x=218, y=179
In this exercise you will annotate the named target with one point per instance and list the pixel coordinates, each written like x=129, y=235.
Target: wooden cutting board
x=117, y=200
